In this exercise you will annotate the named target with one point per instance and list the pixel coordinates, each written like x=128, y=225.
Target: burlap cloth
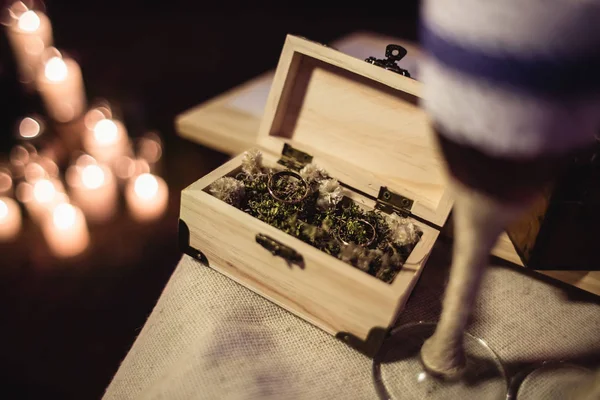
x=210, y=338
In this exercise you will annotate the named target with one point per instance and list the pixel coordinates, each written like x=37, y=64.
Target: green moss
x=326, y=230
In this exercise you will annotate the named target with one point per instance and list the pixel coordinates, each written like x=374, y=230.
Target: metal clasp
x=394, y=53
x=279, y=249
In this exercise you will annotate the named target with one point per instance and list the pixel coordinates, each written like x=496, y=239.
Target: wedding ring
x=368, y=243
x=278, y=196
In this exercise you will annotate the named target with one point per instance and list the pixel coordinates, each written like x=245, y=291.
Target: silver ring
x=369, y=242
x=280, y=174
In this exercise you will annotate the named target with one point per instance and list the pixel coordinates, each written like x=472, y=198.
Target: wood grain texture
x=586, y=280
x=324, y=291
x=229, y=122
x=335, y=106
x=524, y=233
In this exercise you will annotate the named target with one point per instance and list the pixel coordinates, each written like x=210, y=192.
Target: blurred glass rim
x=13, y=10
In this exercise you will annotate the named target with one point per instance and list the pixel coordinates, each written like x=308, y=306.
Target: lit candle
x=60, y=84
x=41, y=197
x=29, y=33
x=93, y=188
x=147, y=197
x=106, y=140
x=10, y=219
x=66, y=230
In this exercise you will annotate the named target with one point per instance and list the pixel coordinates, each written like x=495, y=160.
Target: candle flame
x=146, y=186
x=3, y=210
x=105, y=131
x=44, y=191
x=29, y=21
x=92, y=176
x=64, y=216
x=29, y=128
x=55, y=69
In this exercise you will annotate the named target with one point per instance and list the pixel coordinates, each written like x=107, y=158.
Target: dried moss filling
x=324, y=227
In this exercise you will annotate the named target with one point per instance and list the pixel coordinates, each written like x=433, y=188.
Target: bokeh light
x=92, y=176
x=146, y=186
x=29, y=128
x=29, y=21
x=64, y=215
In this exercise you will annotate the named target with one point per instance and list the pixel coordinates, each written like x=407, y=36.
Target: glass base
x=398, y=372
x=550, y=381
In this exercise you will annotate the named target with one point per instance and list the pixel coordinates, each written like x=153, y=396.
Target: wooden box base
x=340, y=299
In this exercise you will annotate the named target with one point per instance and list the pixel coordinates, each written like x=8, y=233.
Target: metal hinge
x=294, y=158
x=389, y=202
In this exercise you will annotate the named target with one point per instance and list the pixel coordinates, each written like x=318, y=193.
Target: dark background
x=66, y=326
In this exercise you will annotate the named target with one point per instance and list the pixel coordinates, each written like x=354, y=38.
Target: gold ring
x=276, y=196
x=371, y=240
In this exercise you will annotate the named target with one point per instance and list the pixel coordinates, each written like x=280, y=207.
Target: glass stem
x=478, y=222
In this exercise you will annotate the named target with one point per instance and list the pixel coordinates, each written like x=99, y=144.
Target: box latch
x=389, y=202
x=393, y=54
x=294, y=158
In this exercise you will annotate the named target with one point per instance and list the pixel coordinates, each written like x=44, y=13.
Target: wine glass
x=399, y=372
x=554, y=380
x=441, y=360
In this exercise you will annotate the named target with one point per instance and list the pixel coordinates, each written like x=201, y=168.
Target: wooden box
x=554, y=238
x=362, y=124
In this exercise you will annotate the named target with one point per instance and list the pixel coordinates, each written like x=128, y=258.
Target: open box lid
x=361, y=123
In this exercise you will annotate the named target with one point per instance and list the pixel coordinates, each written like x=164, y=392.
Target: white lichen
x=312, y=173
x=350, y=252
x=229, y=190
x=361, y=256
x=252, y=162
x=402, y=231
x=330, y=194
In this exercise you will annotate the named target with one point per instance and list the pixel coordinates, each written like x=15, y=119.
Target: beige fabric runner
x=210, y=338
